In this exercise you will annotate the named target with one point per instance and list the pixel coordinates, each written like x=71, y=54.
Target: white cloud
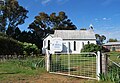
x=109, y=31
x=102, y=19
x=112, y=34
x=105, y=19
x=45, y=1
x=96, y=19
x=61, y=1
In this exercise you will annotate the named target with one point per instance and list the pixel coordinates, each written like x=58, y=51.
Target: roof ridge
x=75, y=34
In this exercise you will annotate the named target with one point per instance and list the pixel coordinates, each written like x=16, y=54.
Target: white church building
x=72, y=40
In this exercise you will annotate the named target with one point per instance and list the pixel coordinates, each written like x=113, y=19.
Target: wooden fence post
x=104, y=63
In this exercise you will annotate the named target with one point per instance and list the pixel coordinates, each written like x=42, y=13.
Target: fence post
x=68, y=52
x=68, y=48
x=47, y=60
x=98, y=65
x=104, y=63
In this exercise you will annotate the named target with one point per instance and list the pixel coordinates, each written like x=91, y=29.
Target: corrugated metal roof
x=75, y=34
x=112, y=43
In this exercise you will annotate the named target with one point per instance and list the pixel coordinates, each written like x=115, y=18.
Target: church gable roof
x=52, y=35
x=75, y=34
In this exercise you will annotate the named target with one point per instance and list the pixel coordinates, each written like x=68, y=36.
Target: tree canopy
x=12, y=15
x=45, y=23
x=100, y=38
x=112, y=40
x=83, y=29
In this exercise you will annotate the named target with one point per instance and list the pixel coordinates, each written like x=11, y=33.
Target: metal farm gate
x=78, y=65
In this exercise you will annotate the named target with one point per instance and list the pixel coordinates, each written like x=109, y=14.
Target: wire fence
x=113, y=73
x=78, y=65
x=8, y=57
x=112, y=62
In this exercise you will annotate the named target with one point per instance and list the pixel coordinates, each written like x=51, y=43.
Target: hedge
x=9, y=46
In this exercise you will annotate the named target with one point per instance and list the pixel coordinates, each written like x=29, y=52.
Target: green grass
x=20, y=68
x=113, y=56
x=79, y=65
x=113, y=73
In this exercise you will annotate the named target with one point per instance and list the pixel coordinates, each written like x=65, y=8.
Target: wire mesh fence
x=78, y=65
x=113, y=72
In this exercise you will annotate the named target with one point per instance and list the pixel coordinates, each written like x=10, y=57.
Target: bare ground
x=47, y=78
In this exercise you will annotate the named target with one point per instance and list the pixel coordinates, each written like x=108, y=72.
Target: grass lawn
x=79, y=65
x=23, y=71
x=113, y=56
x=19, y=69
x=113, y=74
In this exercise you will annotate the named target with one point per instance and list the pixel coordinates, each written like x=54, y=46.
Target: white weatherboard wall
x=45, y=44
x=79, y=45
x=80, y=37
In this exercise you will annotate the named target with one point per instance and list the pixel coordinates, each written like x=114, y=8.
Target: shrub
x=91, y=48
x=3, y=34
x=30, y=48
